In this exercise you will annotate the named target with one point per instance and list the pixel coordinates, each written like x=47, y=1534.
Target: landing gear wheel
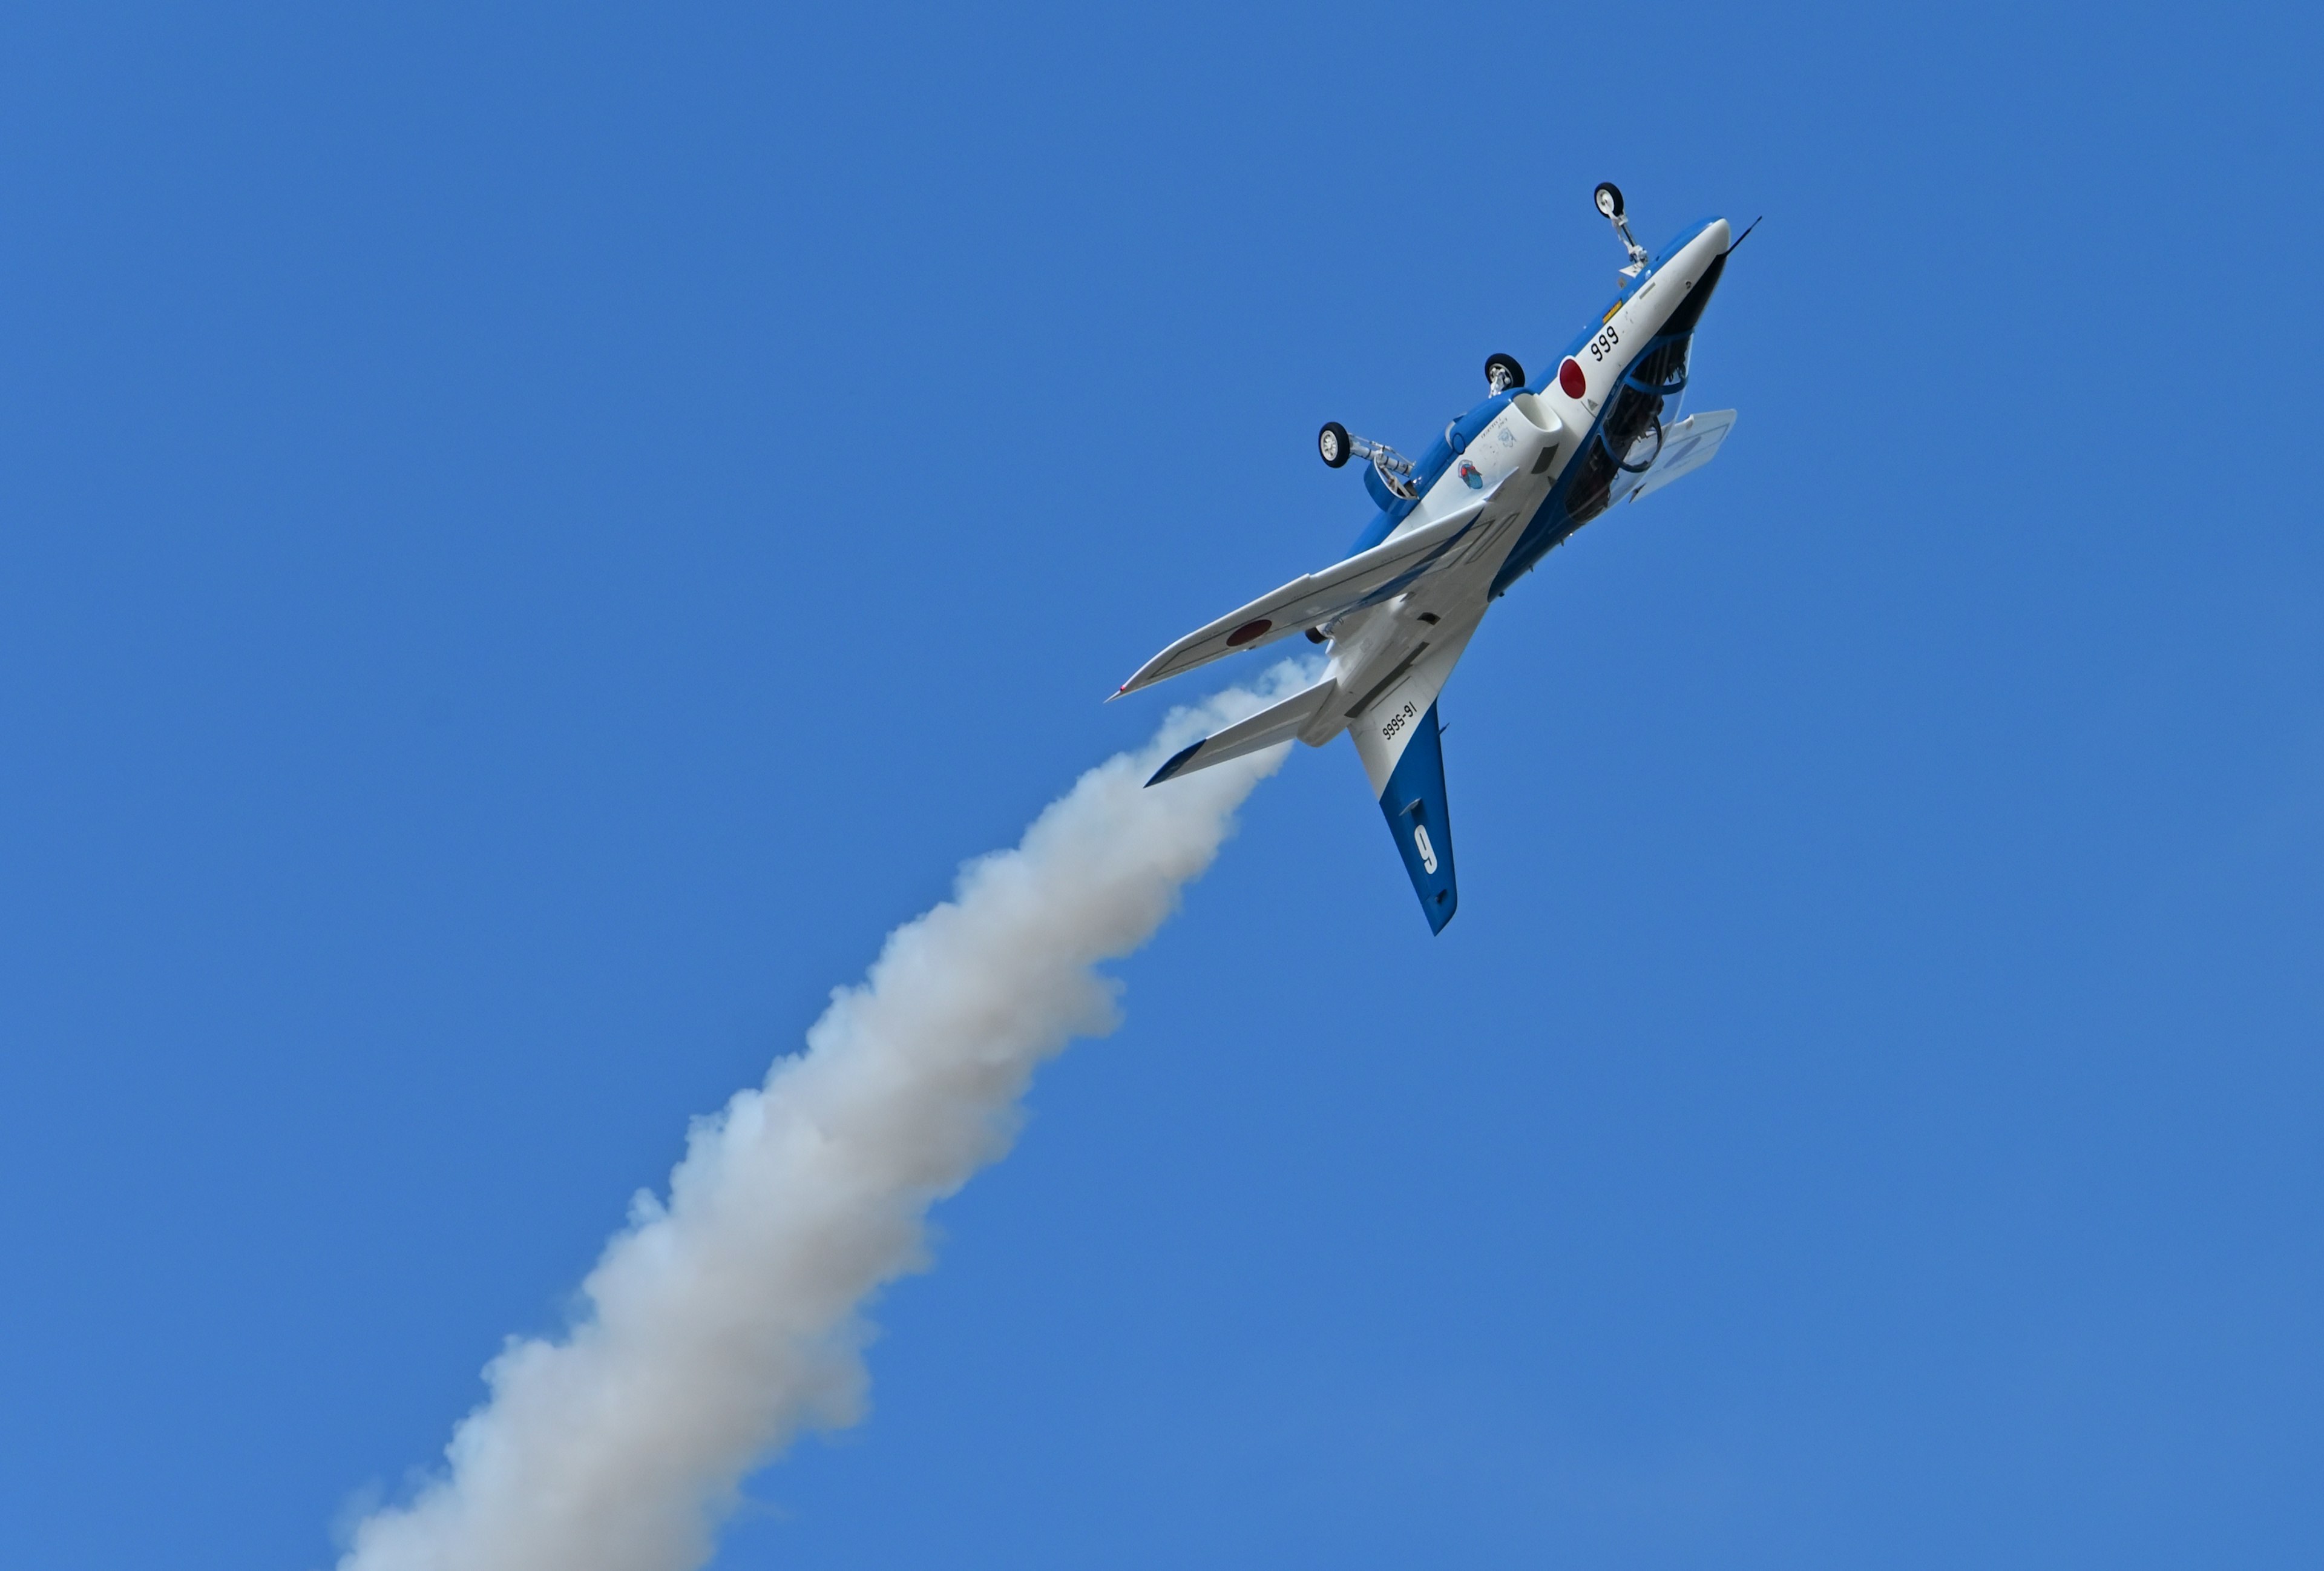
x=1332, y=442
x=1502, y=372
x=1610, y=199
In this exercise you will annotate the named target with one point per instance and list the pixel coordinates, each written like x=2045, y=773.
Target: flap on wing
x=1687, y=446
x=1316, y=597
x=1278, y=723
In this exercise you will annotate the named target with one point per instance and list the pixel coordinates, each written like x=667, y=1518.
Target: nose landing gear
x=1609, y=202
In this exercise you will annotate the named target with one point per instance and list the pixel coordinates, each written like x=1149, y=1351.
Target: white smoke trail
x=720, y=1322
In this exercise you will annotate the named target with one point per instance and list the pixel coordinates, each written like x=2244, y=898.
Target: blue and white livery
x=1507, y=483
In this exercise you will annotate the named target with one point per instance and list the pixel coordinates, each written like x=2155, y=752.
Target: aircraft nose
x=1699, y=250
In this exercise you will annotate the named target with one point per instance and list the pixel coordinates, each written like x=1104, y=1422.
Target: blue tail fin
x=1418, y=818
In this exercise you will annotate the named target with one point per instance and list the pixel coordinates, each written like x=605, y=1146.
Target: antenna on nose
x=1609, y=203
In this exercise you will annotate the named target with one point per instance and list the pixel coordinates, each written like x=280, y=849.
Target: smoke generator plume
x=720, y=1323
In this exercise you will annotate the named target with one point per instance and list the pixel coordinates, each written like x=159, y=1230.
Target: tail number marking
x=1605, y=339
x=1427, y=852
x=1397, y=722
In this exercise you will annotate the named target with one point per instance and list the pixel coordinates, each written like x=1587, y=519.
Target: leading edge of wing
x=1314, y=598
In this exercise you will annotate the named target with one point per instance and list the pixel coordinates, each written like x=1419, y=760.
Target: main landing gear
x=1336, y=447
x=1502, y=372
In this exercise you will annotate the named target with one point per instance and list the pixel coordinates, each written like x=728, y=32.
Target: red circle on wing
x=1570, y=378
x=1247, y=632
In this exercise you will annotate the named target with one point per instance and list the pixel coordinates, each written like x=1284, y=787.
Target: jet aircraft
x=1507, y=483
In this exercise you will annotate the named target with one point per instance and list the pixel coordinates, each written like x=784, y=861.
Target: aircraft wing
x=1278, y=723
x=1304, y=601
x=1687, y=446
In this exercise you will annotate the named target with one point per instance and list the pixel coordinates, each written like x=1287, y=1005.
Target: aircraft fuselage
x=1504, y=486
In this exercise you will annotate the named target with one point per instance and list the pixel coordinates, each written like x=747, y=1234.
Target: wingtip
x=1174, y=763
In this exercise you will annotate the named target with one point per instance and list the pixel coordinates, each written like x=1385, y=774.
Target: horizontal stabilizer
x=1687, y=446
x=1280, y=722
x=1316, y=597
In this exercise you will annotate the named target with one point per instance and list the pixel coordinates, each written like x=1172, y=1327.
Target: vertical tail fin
x=1417, y=816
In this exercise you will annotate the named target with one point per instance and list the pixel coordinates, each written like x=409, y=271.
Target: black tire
x=1609, y=197
x=1332, y=443
x=1507, y=363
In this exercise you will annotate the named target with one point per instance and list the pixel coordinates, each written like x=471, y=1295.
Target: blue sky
x=535, y=536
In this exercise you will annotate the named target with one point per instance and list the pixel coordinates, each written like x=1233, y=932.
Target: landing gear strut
x=1502, y=372
x=1609, y=202
x=1336, y=447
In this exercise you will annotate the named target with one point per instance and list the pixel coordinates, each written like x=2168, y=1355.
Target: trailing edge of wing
x=1316, y=597
x=1280, y=722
